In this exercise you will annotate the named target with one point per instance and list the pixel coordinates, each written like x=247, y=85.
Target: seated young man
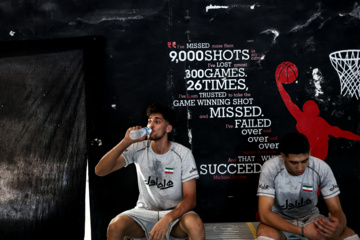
x=166, y=173
x=287, y=191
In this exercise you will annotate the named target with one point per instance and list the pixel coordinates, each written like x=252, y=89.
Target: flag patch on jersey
x=307, y=188
x=169, y=170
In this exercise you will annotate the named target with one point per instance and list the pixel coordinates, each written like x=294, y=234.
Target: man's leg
x=266, y=232
x=124, y=225
x=348, y=234
x=189, y=225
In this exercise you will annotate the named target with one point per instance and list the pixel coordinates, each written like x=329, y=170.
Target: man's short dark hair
x=168, y=113
x=294, y=143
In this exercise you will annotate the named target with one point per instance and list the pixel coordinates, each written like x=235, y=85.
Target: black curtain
x=43, y=150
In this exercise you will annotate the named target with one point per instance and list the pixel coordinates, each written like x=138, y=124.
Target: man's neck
x=160, y=146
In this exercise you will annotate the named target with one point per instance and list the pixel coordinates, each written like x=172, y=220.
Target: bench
x=232, y=230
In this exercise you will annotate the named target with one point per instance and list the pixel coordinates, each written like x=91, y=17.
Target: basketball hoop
x=347, y=65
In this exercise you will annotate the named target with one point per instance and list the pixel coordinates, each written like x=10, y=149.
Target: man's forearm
x=342, y=219
x=184, y=206
x=276, y=221
x=108, y=162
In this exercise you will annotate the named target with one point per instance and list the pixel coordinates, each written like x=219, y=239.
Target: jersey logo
x=159, y=184
x=333, y=187
x=297, y=204
x=307, y=188
x=193, y=170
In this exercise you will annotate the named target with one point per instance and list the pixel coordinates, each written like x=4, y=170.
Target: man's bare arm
x=113, y=160
x=268, y=217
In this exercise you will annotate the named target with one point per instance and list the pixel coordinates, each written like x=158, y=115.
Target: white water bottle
x=138, y=133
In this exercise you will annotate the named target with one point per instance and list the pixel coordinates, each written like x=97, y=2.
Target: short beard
x=154, y=138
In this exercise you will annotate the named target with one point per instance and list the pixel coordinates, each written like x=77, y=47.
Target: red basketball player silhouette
x=308, y=122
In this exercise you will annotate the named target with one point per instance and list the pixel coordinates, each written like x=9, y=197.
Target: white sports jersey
x=296, y=196
x=160, y=176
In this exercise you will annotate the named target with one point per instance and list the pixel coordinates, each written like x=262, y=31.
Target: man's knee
x=353, y=237
x=116, y=227
x=266, y=232
x=192, y=225
x=349, y=234
x=269, y=235
x=123, y=225
x=192, y=221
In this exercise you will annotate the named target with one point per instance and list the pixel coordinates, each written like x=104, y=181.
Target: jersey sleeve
x=266, y=185
x=188, y=168
x=128, y=154
x=328, y=185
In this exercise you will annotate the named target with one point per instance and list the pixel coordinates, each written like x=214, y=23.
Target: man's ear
x=283, y=155
x=169, y=128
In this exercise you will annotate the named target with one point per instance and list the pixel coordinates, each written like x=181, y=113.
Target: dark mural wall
x=215, y=62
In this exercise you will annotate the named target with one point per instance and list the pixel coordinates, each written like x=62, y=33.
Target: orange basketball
x=286, y=72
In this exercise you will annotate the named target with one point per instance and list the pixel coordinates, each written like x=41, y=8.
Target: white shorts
x=148, y=218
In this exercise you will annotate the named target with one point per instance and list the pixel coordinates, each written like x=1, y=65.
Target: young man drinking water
x=166, y=173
